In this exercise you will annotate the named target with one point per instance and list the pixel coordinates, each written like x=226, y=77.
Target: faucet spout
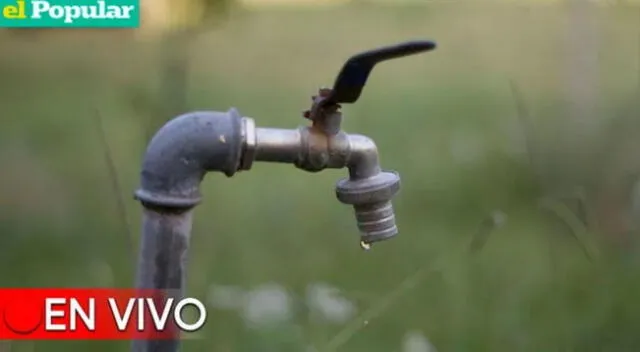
x=314, y=148
x=363, y=157
x=370, y=190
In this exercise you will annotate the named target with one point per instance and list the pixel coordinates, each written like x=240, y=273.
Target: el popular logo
x=70, y=13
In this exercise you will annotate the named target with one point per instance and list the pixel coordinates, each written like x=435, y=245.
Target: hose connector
x=371, y=200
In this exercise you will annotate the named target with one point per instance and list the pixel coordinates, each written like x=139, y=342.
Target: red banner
x=96, y=314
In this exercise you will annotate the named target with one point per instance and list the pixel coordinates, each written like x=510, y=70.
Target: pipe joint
x=183, y=151
x=320, y=151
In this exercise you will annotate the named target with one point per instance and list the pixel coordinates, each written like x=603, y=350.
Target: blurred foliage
x=194, y=13
x=549, y=277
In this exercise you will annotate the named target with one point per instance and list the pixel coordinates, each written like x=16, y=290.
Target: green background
x=550, y=276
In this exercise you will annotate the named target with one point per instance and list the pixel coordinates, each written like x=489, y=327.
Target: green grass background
x=447, y=121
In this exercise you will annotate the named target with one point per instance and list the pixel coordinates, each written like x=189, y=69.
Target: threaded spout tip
x=371, y=200
x=376, y=222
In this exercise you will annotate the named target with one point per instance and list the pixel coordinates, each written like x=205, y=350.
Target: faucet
x=190, y=145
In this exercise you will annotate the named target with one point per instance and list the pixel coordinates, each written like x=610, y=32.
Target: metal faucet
x=192, y=144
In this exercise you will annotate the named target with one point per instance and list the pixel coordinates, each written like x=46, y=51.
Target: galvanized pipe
x=278, y=145
x=163, y=262
x=176, y=161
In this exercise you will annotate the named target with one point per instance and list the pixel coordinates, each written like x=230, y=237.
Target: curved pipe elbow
x=363, y=157
x=183, y=151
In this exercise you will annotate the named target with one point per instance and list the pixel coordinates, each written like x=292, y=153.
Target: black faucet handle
x=353, y=75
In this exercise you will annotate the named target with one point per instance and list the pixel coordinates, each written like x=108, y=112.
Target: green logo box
x=70, y=13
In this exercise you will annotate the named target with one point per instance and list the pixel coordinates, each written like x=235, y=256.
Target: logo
x=70, y=13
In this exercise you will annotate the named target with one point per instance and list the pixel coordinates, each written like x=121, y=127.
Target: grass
x=447, y=121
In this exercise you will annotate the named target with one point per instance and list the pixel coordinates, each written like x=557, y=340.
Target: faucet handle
x=354, y=73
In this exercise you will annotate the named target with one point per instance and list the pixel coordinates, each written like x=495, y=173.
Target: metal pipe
x=163, y=262
x=278, y=145
x=176, y=161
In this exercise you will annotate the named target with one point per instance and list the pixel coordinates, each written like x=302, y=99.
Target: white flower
x=266, y=305
x=326, y=301
x=415, y=341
